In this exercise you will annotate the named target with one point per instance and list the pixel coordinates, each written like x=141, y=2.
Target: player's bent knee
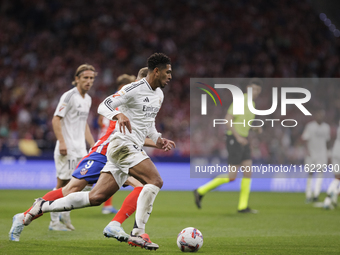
x=158, y=182
x=97, y=199
x=153, y=179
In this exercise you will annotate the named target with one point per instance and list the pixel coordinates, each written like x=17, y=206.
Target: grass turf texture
x=285, y=225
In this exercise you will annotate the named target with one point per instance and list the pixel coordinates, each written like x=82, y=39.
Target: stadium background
x=42, y=43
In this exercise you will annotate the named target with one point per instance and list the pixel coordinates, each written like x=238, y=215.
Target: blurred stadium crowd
x=43, y=42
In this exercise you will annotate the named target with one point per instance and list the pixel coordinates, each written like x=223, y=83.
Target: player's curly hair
x=159, y=60
x=82, y=68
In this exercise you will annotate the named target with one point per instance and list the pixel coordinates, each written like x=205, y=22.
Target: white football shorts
x=65, y=165
x=122, y=155
x=315, y=162
x=336, y=160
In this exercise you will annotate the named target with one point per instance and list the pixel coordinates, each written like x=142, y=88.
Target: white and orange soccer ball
x=190, y=240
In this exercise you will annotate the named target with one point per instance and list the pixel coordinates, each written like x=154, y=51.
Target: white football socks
x=317, y=187
x=55, y=215
x=66, y=215
x=72, y=201
x=333, y=187
x=309, y=190
x=144, y=207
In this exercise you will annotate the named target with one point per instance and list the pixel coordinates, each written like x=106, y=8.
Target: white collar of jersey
x=77, y=91
x=148, y=84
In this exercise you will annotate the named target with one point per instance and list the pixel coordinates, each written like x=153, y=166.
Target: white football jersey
x=336, y=146
x=74, y=110
x=317, y=136
x=140, y=103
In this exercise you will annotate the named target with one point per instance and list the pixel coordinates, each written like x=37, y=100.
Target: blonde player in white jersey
x=71, y=130
x=138, y=104
x=316, y=136
x=333, y=189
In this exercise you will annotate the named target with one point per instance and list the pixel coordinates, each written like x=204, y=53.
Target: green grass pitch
x=284, y=225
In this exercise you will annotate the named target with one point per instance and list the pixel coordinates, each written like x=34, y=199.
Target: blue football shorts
x=89, y=167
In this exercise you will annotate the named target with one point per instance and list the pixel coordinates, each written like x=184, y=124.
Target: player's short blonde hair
x=125, y=79
x=143, y=72
x=82, y=68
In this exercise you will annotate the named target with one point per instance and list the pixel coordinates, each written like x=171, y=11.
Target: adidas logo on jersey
x=146, y=100
x=79, y=106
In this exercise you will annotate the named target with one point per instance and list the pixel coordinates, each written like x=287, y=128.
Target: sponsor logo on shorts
x=83, y=171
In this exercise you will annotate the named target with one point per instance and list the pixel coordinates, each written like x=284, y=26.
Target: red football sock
x=129, y=206
x=53, y=195
x=49, y=196
x=108, y=202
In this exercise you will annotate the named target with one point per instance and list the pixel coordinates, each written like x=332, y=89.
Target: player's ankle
x=115, y=223
x=137, y=231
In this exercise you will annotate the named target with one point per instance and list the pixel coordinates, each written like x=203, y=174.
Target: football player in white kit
x=333, y=189
x=316, y=135
x=71, y=130
x=139, y=103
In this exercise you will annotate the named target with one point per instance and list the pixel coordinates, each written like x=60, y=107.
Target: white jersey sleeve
x=64, y=105
x=306, y=135
x=108, y=107
x=153, y=134
x=140, y=104
x=336, y=146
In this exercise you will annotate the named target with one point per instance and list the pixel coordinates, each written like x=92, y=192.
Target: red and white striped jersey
x=105, y=125
x=101, y=145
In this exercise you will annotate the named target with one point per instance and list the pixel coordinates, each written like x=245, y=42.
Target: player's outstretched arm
x=165, y=144
x=149, y=143
x=166, y=147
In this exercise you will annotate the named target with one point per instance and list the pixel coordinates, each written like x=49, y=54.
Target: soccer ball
x=190, y=240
